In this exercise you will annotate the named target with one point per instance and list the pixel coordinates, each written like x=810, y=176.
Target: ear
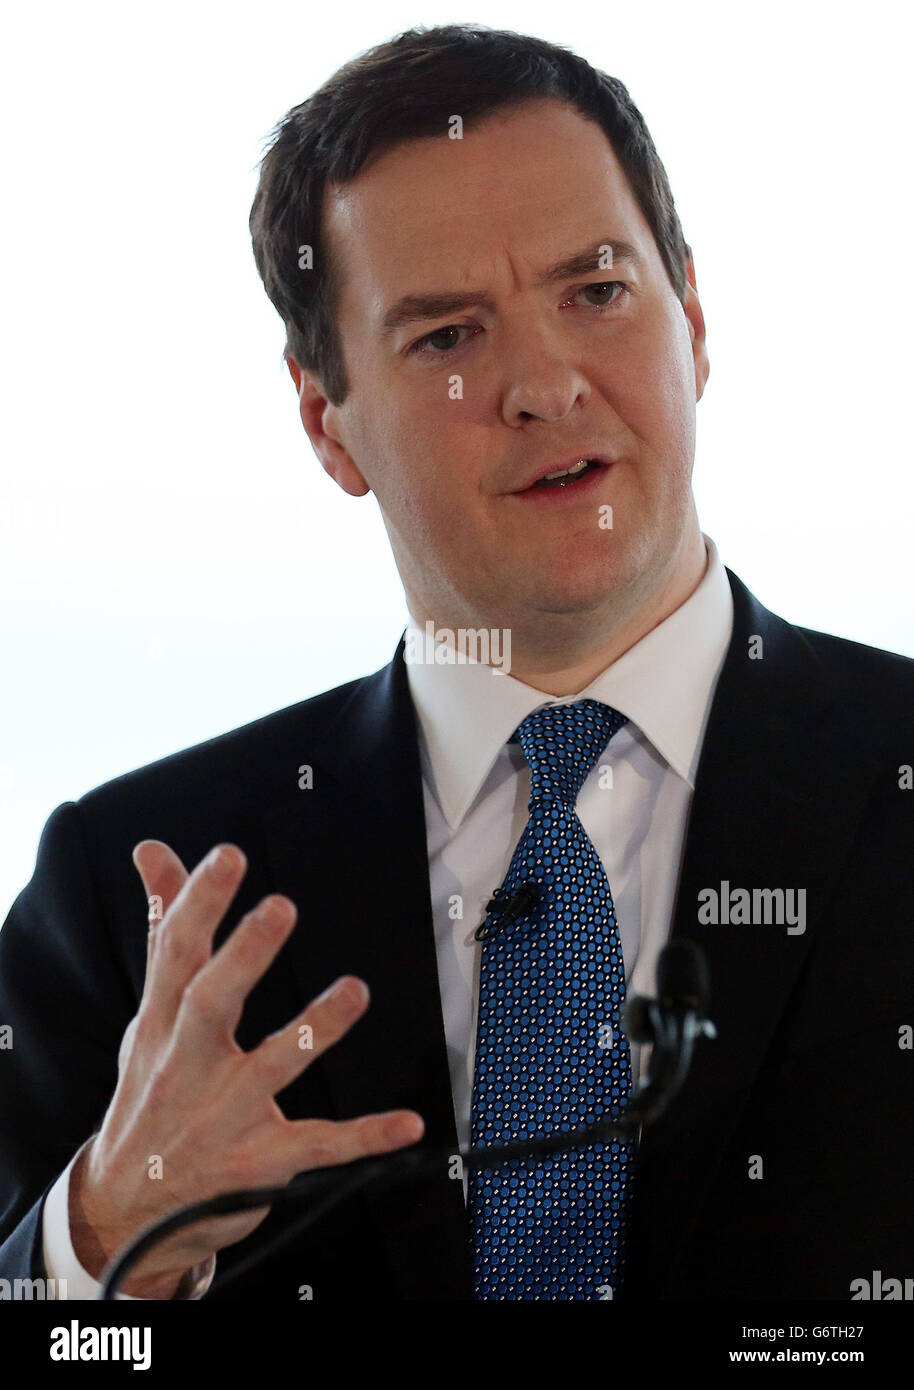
x=695, y=320
x=320, y=419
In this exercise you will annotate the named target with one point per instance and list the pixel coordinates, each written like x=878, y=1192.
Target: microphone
x=509, y=907
x=682, y=976
x=671, y=1023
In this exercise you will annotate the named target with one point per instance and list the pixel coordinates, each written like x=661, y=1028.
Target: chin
x=576, y=588
x=563, y=598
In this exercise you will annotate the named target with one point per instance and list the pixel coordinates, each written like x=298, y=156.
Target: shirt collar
x=663, y=684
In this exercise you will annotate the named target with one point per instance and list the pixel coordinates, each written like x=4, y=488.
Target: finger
x=163, y=873
x=285, y=1054
x=323, y=1143
x=185, y=936
x=163, y=876
x=212, y=1004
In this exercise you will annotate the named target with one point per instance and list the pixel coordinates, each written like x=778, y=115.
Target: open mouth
x=571, y=477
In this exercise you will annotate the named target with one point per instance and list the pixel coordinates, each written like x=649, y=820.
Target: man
x=492, y=324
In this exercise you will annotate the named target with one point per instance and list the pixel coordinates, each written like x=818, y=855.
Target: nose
x=540, y=382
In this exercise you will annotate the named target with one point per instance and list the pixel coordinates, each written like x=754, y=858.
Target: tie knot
x=562, y=743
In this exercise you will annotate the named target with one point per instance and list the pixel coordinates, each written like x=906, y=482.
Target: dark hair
x=405, y=89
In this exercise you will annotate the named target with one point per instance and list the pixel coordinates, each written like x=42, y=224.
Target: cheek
x=426, y=458
x=659, y=390
x=419, y=484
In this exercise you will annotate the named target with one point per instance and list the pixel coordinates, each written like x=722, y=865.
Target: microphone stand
x=670, y=1023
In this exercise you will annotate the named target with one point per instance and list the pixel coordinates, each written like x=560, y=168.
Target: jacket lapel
x=351, y=851
x=774, y=807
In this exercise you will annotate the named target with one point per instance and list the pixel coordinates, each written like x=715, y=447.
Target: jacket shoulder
x=869, y=678
x=256, y=763
x=872, y=675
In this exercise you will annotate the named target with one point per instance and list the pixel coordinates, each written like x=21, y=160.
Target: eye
x=440, y=341
x=604, y=292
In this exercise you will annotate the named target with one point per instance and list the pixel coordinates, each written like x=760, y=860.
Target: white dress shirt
x=476, y=788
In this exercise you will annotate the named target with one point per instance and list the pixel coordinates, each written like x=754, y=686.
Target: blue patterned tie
x=550, y=1053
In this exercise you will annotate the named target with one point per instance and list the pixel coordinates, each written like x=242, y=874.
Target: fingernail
x=347, y=986
x=353, y=988
x=221, y=861
x=410, y=1127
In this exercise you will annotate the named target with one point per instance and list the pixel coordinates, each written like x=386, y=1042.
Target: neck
x=561, y=663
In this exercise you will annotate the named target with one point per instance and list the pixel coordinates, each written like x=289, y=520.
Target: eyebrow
x=415, y=308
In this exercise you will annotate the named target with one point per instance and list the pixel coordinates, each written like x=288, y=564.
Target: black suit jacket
x=798, y=787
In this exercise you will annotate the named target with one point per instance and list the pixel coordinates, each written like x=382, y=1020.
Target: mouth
x=568, y=477
x=577, y=476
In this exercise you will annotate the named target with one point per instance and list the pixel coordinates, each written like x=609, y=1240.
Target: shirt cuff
x=62, y=1265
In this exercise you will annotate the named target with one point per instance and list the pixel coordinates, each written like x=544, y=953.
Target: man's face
x=522, y=369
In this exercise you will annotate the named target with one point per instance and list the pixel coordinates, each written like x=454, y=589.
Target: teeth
x=568, y=472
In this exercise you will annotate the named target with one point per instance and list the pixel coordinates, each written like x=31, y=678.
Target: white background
x=174, y=561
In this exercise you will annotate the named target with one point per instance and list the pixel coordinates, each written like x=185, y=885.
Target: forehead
x=535, y=182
